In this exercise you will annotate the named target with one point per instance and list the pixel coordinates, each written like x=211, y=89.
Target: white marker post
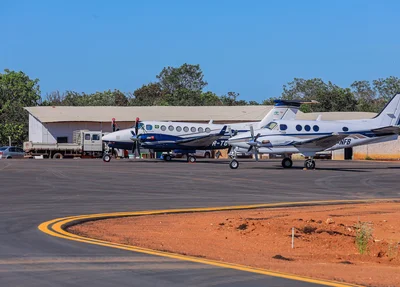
x=292, y=237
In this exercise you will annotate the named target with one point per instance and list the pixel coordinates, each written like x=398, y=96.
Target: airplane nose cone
x=106, y=138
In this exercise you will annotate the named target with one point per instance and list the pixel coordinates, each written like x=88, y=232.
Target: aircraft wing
x=202, y=140
x=321, y=142
x=386, y=130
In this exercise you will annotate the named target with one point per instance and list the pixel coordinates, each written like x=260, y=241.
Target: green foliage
x=71, y=98
x=363, y=236
x=185, y=77
x=17, y=91
x=330, y=97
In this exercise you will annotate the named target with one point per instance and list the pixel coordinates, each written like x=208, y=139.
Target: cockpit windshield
x=270, y=126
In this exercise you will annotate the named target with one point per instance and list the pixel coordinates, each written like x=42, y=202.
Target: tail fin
x=390, y=115
x=283, y=110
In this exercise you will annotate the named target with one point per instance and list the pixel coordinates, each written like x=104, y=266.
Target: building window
x=185, y=129
x=299, y=128
x=208, y=130
x=315, y=128
x=171, y=128
x=149, y=127
x=178, y=128
x=65, y=139
x=307, y=128
x=345, y=129
x=283, y=127
x=193, y=129
x=200, y=130
x=163, y=128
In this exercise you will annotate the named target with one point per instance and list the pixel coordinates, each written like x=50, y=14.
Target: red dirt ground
x=324, y=245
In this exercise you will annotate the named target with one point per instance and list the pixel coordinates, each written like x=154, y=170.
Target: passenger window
x=316, y=128
x=283, y=127
x=299, y=128
x=186, y=129
x=307, y=128
x=11, y=149
x=208, y=130
x=178, y=128
x=149, y=127
x=171, y=128
x=20, y=150
x=345, y=129
x=193, y=129
x=163, y=128
x=95, y=137
x=200, y=130
x=87, y=137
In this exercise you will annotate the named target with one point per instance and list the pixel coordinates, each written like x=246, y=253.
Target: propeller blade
x=252, y=132
x=137, y=126
x=138, y=150
x=256, y=153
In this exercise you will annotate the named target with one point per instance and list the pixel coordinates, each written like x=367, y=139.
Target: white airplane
x=309, y=137
x=187, y=137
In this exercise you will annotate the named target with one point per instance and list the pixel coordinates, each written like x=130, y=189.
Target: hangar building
x=56, y=124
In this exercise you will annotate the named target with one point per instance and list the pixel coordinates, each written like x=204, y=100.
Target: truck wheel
x=106, y=158
x=58, y=156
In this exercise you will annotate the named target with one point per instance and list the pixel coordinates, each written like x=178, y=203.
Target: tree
x=331, y=97
x=17, y=91
x=148, y=95
x=189, y=77
x=230, y=99
x=387, y=88
x=365, y=96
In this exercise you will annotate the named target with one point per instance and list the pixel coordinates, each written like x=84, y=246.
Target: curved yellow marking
x=55, y=228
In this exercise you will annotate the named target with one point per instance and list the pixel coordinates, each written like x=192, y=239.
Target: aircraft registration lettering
x=345, y=142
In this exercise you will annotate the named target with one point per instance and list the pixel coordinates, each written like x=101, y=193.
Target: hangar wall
x=49, y=132
x=377, y=151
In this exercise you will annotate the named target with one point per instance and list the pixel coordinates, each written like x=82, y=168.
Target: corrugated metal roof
x=162, y=113
x=168, y=113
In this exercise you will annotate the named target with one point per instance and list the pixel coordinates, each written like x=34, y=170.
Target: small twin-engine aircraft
x=309, y=137
x=161, y=136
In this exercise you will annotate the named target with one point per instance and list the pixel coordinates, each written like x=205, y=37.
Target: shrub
x=363, y=235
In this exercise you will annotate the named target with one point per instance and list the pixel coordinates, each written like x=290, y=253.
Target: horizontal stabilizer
x=321, y=142
x=293, y=103
x=387, y=130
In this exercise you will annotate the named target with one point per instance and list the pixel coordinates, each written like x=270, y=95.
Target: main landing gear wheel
x=234, y=164
x=106, y=158
x=287, y=162
x=191, y=159
x=167, y=157
x=309, y=164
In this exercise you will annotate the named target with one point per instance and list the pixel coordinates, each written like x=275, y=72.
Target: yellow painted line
x=56, y=227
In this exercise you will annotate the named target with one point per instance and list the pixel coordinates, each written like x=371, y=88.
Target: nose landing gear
x=309, y=164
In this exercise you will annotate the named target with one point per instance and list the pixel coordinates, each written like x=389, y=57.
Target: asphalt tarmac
x=34, y=191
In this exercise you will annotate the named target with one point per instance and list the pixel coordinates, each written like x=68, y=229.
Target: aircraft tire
x=106, y=158
x=287, y=163
x=309, y=164
x=191, y=159
x=234, y=164
x=167, y=157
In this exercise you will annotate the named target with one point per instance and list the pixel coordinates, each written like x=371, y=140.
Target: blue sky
x=250, y=47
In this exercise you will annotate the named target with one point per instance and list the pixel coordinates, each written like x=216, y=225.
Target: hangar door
x=348, y=153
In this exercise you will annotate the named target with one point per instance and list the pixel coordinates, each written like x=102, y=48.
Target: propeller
x=135, y=138
x=113, y=125
x=253, y=142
